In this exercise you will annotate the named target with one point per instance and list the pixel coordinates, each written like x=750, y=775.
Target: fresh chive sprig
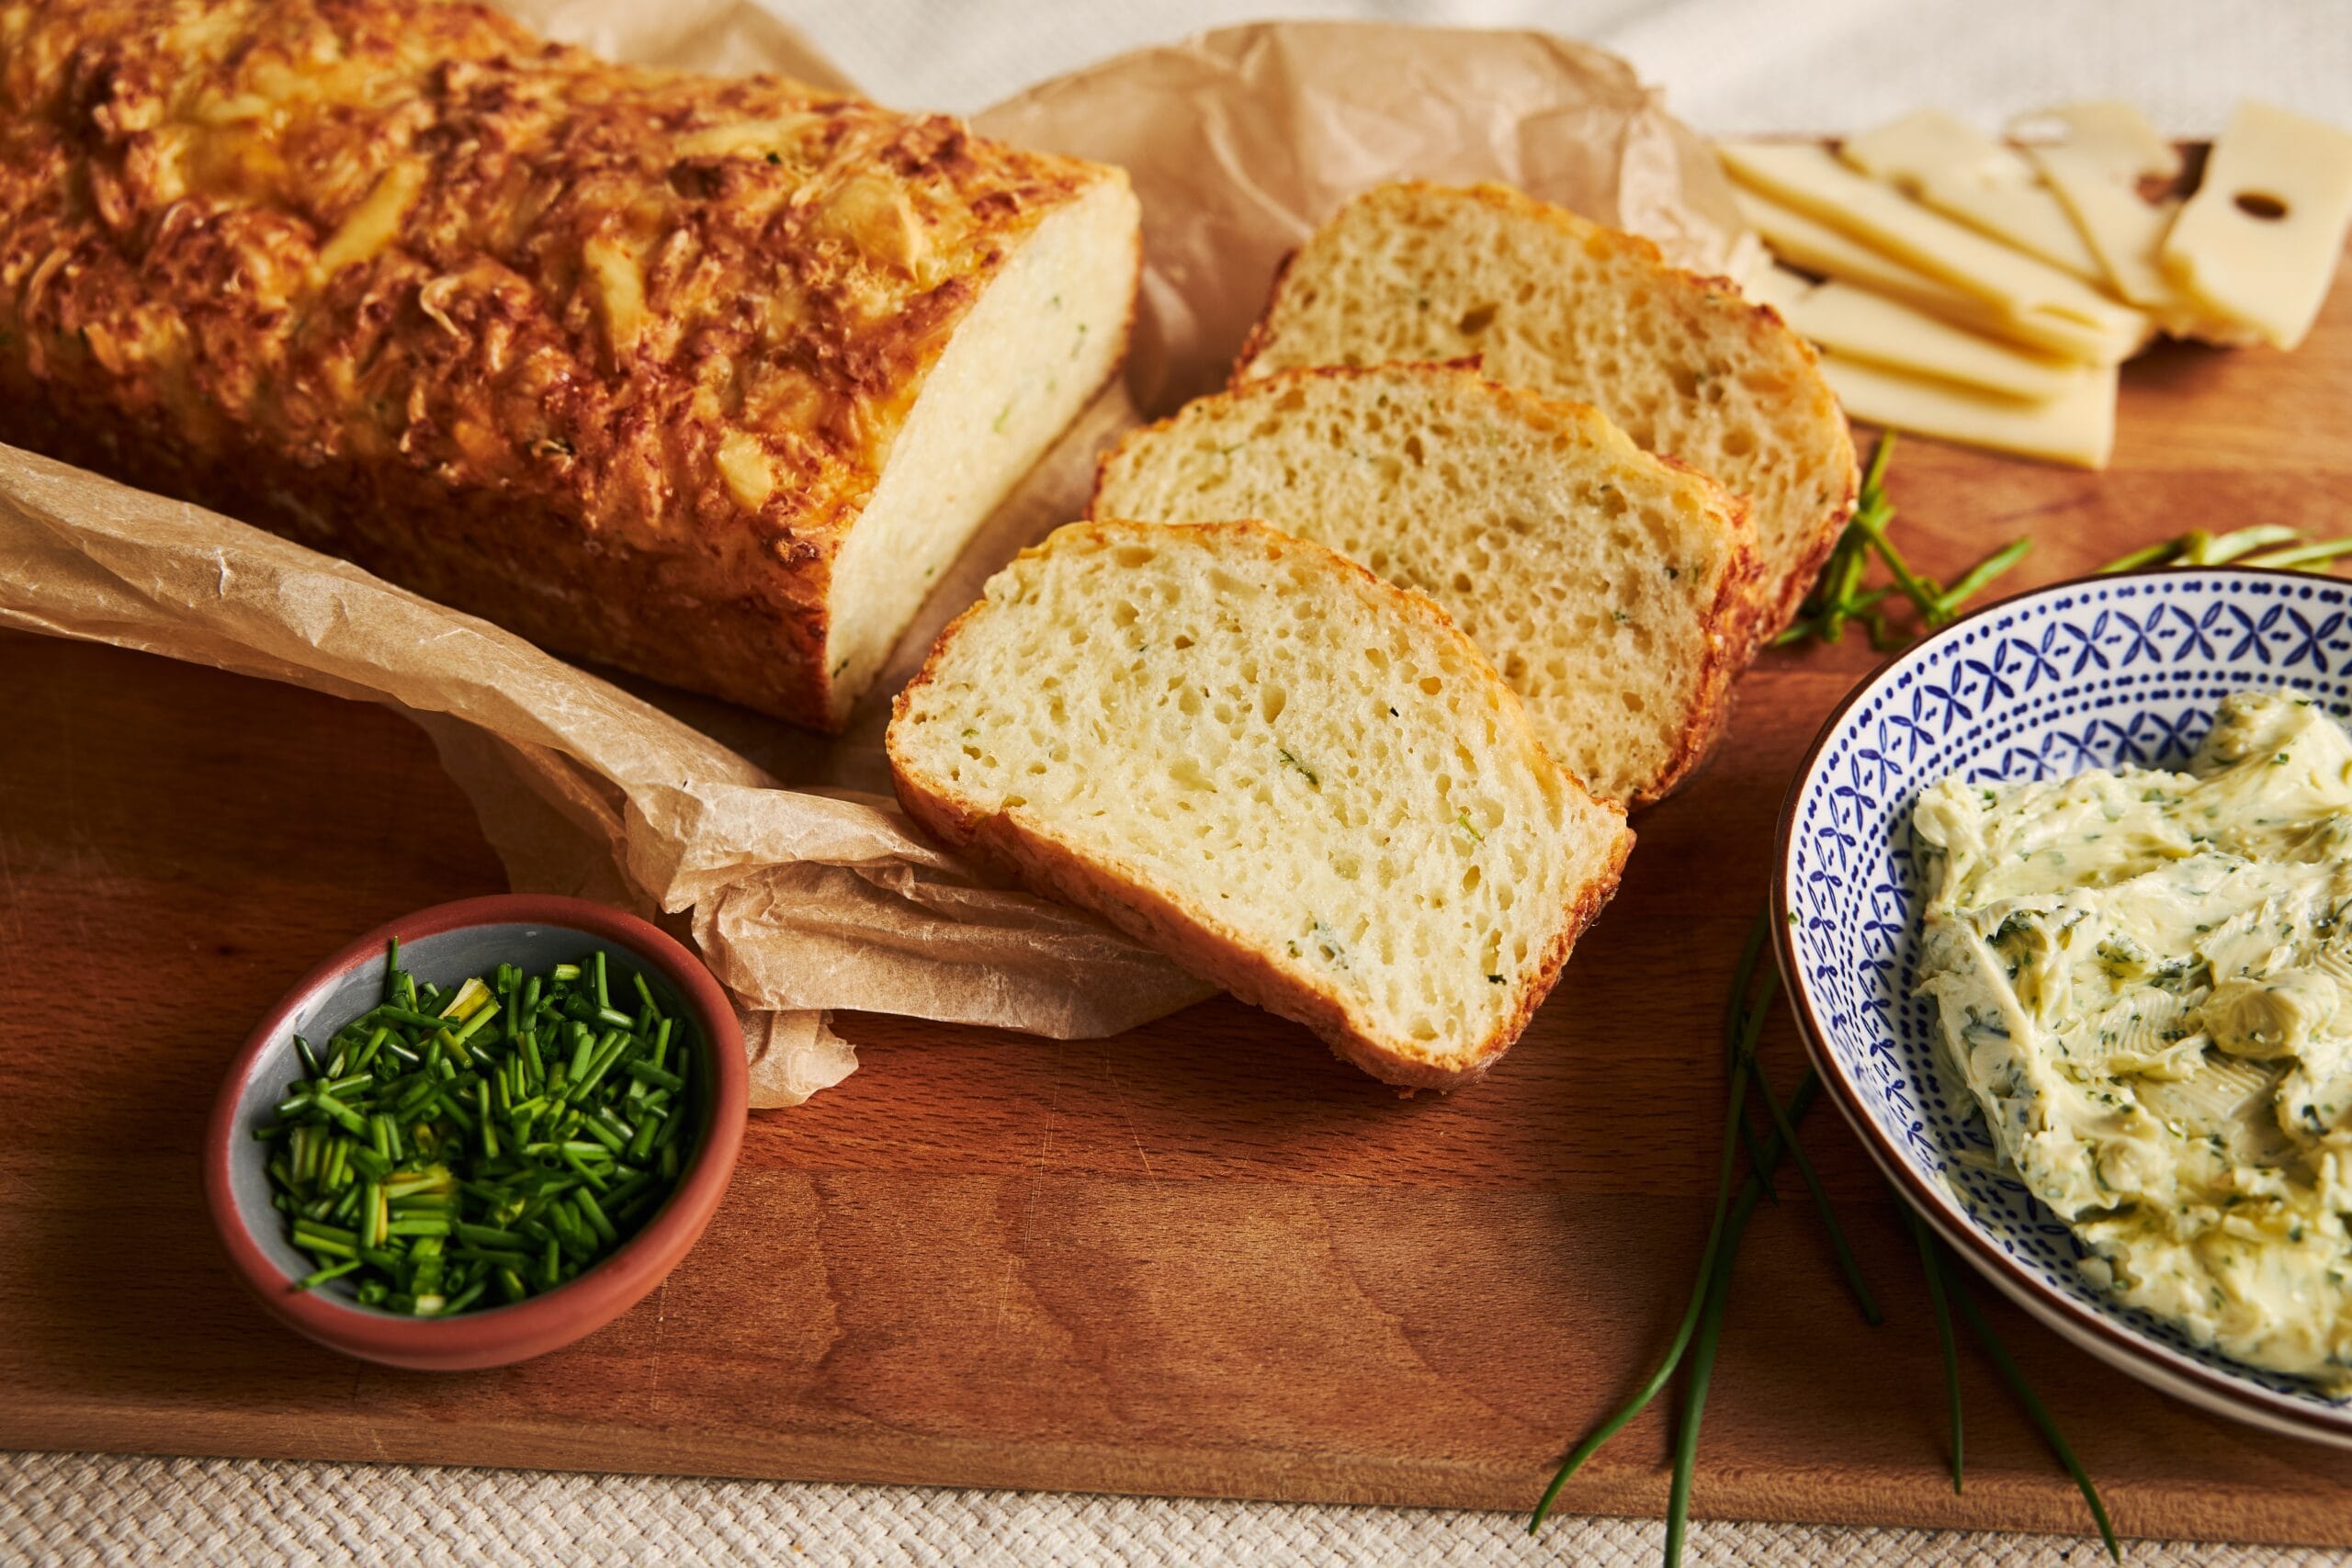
x=1931, y=1265
x=2265, y=544
x=1748, y=1005
x=1839, y=598
x=1947, y=1278
x=501, y=1135
x=1698, y=1335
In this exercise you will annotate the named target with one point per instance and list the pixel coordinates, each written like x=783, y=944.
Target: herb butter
x=2145, y=979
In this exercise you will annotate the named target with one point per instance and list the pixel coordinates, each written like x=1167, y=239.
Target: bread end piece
x=1298, y=781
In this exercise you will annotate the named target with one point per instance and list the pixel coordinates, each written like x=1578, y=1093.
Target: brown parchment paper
x=780, y=853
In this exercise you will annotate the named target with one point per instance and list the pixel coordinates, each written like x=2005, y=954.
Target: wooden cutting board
x=1204, y=1258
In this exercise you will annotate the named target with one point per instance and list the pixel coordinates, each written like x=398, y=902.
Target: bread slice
x=1568, y=309
x=1613, y=590
x=1294, y=779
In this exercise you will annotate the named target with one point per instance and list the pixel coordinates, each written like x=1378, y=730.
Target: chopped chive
x=647, y=1073
x=642, y=1144
x=474, y=1023
x=588, y=1208
x=333, y=1271
x=447, y=1146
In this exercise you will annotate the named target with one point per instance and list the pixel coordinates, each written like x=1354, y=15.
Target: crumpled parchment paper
x=781, y=853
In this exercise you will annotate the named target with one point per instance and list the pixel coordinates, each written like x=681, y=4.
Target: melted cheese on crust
x=614, y=355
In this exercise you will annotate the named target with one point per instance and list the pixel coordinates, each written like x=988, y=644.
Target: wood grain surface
x=1203, y=1257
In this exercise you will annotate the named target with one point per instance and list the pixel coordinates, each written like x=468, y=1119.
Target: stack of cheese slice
x=1964, y=288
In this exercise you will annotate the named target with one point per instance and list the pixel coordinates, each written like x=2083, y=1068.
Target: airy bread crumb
x=1614, y=590
x=1297, y=781
x=1546, y=300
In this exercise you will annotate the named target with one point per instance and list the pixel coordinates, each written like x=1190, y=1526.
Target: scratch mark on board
x=1127, y=1113
x=1020, y=1253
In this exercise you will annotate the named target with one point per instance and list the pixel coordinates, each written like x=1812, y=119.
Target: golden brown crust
x=612, y=355
x=1735, y=617
x=1196, y=938
x=1253, y=342
x=1780, y=597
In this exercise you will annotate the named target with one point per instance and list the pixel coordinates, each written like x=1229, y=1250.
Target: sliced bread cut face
x=1614, y=590
x=1567, y=307
x=1297, y=781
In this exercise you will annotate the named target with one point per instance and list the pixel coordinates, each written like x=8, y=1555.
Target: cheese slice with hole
x=2257, y=246
x=1854, y=322
x=2096, y=161
x=1955, y=168
x=1812, y=180
x=1809, y=243
x=2077, y=428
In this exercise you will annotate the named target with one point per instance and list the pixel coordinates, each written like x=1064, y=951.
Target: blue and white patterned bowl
x=2084, y=674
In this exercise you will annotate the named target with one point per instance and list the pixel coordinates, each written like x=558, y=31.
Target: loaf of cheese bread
x=709, y=379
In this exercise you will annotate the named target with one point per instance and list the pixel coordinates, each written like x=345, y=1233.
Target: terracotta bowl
x=445, y=945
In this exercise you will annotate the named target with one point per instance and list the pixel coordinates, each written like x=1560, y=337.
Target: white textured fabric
x=1727, y=65
x=76, y=1511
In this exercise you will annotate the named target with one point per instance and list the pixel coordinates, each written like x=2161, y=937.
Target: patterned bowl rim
x=2087, y=1326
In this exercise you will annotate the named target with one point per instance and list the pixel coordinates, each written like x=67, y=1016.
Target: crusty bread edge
x=1781, y=600
x=1737, y=621
x=1194, y=939
x=1734, y=619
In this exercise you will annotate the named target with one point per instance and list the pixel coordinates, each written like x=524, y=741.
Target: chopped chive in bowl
x=477, y=1144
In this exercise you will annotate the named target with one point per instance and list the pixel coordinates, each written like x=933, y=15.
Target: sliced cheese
x=2258, y=244
x=1808, y=242
x=1961, y=173
x=1812, y=180
x=1854, y=322
x=2076, y=428
x=1816, y=247
x=2096, y=164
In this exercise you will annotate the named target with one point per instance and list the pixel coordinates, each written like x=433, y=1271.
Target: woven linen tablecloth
x=1727, y=66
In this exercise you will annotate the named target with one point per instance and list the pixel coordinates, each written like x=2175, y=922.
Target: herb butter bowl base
x=2100, y=672
x=445, y=945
